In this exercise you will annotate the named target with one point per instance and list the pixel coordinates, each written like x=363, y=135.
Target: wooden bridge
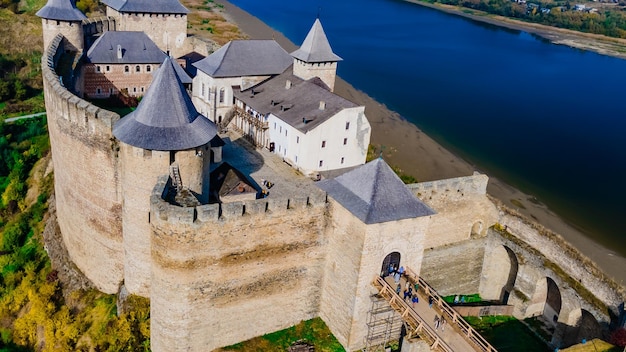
x=419, y=318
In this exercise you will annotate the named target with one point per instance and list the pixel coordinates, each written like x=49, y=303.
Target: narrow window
x=321, y=163
x=108, y=68
x=274, y=125
x=280, y=129
x=347, y=125
x=345, y=141
x=342, y=159
x=137, y=68
x=285, y=132
x=148, y=68
x=134, y=89
x=110, y=90
x=126, y=69
x=323, y=145
x=142, y=89
x=98, y=69
x=297, y=139
x=98, y=90
x=222, y=95
x=202, y=90
x=296, y=158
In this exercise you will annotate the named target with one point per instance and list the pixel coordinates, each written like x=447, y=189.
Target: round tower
x=315, y=58
x=62, y=16
x=164, y=135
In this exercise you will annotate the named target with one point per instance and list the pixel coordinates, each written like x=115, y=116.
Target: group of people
x=440, y=322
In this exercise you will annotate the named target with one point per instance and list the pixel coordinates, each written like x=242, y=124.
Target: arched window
x=126, y=68
x=137, y=68
x=222, y=92
x=148, y=68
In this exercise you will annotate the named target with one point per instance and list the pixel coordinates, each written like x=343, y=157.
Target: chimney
x=119, y=51
x=322, y=105
x=304, y=120
x=288, y=84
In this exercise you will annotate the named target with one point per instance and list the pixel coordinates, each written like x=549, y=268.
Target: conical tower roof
x=61, y=10
x=316, y=47
x=165, y=119
x=374, y=194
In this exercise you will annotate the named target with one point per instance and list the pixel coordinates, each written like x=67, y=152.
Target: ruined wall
x=218, y=280
x=462, y=207
x=86, y=178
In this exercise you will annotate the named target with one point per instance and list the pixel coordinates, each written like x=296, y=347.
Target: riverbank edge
x=404, y=145
x=601, y=44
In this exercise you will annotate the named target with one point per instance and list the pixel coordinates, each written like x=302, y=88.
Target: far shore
x=416, y=154
x=598, y=43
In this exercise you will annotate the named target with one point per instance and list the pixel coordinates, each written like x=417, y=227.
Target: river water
x=547, y=119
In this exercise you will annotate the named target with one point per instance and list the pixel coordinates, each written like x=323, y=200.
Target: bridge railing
x=457, y=320
x=417, y=325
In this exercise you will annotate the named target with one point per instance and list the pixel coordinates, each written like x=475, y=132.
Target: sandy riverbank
x=419, y=155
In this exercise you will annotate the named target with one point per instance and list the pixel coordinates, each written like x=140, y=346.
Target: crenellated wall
x=463, y=209
x=218, y=280
x=85, y=160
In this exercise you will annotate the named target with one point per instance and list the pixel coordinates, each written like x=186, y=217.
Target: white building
x=284, y=102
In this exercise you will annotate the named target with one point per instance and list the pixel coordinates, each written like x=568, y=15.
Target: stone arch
x=393, y=259
x=512, y=276
x=582, y=325
x=546, y=302
x=477, y=228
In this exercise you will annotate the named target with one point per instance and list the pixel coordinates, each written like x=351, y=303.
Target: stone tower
x=62, y=16
x=166, y=134
x=164, y=21
x=315, y=58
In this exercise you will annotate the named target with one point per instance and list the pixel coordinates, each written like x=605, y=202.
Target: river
x=544, y=118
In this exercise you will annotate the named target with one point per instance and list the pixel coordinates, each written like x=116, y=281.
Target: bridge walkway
x=456, y=335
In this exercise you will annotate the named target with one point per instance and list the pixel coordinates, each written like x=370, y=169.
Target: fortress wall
x=86, y=178
x=455, y=268
x=241, y=275
x=559, y=253
x=326, y=71
x=72, y=31
x=96, y=25
x=139, y=172
x=346, y=237
x=462, y=207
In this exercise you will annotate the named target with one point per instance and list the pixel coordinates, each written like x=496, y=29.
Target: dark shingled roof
x=301, y=100
x=137, y=48
x=246, y=58
x=165, y=118
x=228, y=181
x=180, y=71
x=374, y=194
x=316, y=47
x=147, y=6
x=61, y=10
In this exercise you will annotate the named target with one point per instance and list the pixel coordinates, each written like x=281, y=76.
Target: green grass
x=314, y=332
x=507, y=334
x=473, y=298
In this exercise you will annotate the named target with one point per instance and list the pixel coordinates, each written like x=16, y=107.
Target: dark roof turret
x=61, y=10
x=316, y=47
x=374, y=194
x=165, y=119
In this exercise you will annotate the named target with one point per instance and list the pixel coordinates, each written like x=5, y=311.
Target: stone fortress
x=140, y=210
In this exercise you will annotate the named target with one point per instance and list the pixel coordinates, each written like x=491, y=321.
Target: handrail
x=468, y=331
x=417, y=324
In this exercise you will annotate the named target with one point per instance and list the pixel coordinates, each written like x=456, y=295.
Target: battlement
x=451, y=188
x=97, y=25
x=166, y=211
x=61, y=103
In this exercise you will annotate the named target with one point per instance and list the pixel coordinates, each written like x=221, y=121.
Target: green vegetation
x=507, y=334
x=35, y=310
x=374, y=152
x=314, y=332
x=609, y=21
x=473, y=298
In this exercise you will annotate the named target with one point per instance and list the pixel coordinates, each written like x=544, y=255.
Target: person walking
x=415, y=300
x=398, y=288
x=430, y=301
x=442, y=323
x=436, y=321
